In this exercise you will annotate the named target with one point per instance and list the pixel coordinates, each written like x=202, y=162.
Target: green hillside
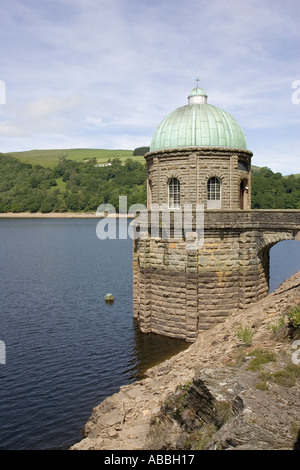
x=70, y=186
x=50, y=158
x=70, y=180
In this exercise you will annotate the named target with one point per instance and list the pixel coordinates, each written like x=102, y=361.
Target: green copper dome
x=198, y=92
x=198, y=124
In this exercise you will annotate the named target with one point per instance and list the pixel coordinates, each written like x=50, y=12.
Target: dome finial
x=197, y=95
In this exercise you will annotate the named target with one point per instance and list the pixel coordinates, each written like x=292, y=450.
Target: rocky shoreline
x=207, y=396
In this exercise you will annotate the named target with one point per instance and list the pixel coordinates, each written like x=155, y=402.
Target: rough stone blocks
x=178, y=292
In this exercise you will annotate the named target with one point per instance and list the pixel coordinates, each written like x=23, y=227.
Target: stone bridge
x=181, y=287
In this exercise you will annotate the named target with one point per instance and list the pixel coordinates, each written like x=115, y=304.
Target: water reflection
x=150, y=349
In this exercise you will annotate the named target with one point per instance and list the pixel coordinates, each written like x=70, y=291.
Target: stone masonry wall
x=193, y=168
x=179, y=291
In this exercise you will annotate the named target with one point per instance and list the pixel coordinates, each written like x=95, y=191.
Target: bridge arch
x=284, y=261
x=266, y=243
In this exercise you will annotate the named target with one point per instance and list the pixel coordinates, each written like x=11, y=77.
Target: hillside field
x=50, y=158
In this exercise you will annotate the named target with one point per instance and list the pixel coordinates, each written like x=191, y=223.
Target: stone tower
x=182, y=283
x=199, y=155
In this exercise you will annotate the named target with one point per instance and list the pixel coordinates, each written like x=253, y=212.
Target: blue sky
x=104, y=73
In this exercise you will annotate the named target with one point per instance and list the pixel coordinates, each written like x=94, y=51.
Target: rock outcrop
x=223, y=392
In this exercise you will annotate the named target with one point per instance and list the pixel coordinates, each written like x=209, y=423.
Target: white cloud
x=9, y=129
x=48, y=107
x=106, y=72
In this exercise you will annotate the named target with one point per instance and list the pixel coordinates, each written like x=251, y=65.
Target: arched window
x=174, y=193
x=214, y=193
x=149, y=193
x=243, y=194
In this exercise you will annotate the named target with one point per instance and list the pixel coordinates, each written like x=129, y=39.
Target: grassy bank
x=50, y=158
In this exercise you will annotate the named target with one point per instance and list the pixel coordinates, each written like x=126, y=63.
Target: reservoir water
x=65, y=348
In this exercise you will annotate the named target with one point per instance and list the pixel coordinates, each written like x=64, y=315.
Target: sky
x=104, y=73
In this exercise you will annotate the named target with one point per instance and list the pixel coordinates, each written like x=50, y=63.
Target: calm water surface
x=66, y=349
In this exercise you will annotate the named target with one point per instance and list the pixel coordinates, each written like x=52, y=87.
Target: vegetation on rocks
x=245, y=334
x=294, y=316
x=260, y=357
x=233, y=407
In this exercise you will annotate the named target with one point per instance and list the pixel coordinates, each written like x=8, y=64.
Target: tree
x=273, y=191
x=46, y=206
x=140, y=151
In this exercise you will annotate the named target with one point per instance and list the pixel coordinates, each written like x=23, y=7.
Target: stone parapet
x=222, y=219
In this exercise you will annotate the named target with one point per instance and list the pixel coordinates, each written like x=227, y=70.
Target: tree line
x=74, y=186
x=70, y=186
x=140, y=151
x=274, y=191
